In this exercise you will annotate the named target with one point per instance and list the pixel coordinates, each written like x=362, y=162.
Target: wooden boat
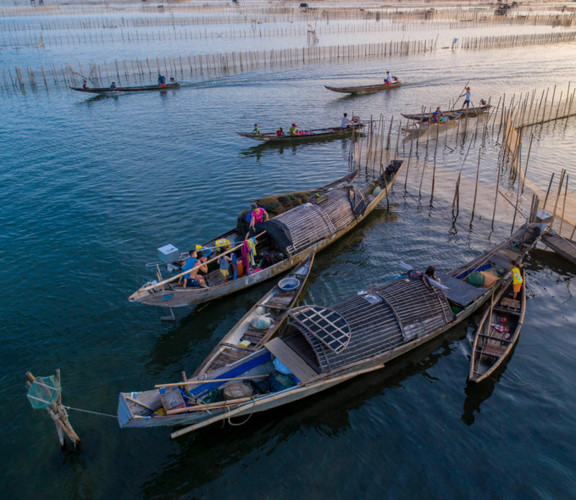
x=562, y=246
x=425, y=126
x=365, y=89
x=284, y=241
x=308, y=135
x=498, y=332
x=142, y=88
x=324, y=346
x=244, y=338
x=471, y=112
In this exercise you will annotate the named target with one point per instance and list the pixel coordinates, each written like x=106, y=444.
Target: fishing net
x=43, y=392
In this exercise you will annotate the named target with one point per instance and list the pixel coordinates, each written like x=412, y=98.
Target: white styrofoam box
x=168, y=253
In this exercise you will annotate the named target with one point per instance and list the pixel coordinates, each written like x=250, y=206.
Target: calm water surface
x=91, y=187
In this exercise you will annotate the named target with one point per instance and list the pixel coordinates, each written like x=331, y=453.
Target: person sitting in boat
x=388, y=78
x=224, y=263
x=256, y=130
x=172, y=81
x=294, y=129
x=113, y=85
x=161, y=80
x=436, y=116
x=194, y=265
x=516, y=278
x=280, y=132
x=85, y=85
x=257, y=215
x=346, y=123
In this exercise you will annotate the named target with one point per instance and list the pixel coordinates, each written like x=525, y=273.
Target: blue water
x=91, y=187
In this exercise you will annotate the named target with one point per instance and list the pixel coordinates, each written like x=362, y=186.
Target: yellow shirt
x=516, y=276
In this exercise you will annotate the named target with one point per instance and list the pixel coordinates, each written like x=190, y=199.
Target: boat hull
x=471, y=112
x=313, y=135
x=108, y=90
x=181, y=297
x=364, y=89
x=488, y=351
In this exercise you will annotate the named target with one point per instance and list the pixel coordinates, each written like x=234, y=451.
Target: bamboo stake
x=564, y=203
x=476, y=187
x=548, y=191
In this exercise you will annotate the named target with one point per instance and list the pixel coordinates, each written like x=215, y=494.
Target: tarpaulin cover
x=278, y=231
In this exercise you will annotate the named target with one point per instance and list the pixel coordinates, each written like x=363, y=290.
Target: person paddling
x=467, y=99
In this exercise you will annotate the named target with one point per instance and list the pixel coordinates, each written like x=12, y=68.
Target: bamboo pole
x=173, y=278
x=564, y=203
x=548, y=191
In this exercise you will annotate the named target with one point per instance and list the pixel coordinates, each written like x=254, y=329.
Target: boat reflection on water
x=274, y=147
x=476, y=394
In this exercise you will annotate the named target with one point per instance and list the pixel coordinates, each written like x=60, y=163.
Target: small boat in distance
x=471, y=112
x=261, y=322
x=307, y=135
x=365, y=89
x=142, y=88
x=324, y=346
x=498, y=332
x=444, y=122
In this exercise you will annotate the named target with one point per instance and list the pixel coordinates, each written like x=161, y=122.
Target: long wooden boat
x=471, y=112
x=427, y=125
x=308, y=135
x=365, y=89
x=284, y=240
x=562, y=246
x=498, y=332
x=324, y=346
x=142, y=88
x=245, y=338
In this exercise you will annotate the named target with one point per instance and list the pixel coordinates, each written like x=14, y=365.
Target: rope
x=245, y=421
x=89, y=411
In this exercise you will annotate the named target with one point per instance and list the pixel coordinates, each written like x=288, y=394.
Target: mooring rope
x=90, y=411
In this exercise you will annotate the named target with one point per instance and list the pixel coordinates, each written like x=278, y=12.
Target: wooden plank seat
x=272, y=306
x=509, y=303
x=493, y=350
x=241, y=347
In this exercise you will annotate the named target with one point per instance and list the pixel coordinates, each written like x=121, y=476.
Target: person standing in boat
x=467, y=99
x=161, y=80
x=257, y=215
x=516, y=278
